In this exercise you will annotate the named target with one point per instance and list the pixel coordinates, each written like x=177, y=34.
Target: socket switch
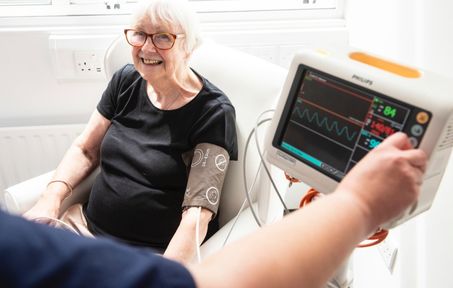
x=388, y=253
x=88, y=63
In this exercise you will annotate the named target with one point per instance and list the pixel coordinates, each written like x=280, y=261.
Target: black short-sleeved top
x=137, y=196
x=36, y=255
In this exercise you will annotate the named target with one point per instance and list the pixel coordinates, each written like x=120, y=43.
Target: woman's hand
x=48, y=205
x=43, y=211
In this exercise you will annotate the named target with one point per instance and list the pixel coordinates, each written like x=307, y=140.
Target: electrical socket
x=388, y=253
x=88, y=63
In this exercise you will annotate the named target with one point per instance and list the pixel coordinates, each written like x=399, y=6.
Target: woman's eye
x=163, y=38
x=139, y=34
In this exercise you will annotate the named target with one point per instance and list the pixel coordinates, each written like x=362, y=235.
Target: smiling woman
x=162, y=42
x=150, y=120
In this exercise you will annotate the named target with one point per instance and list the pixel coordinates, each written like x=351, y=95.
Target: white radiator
x=26, y=152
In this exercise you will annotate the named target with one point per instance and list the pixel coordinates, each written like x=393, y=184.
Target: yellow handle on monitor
x=385, y=65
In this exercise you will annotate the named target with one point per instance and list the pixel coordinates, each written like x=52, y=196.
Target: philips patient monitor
x=336, y=106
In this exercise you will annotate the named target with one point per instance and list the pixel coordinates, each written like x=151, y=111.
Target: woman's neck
x=175, y=92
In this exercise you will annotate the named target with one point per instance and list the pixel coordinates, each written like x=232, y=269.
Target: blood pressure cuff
x=207, y=172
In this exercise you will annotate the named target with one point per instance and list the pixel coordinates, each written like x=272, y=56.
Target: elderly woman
x=156, y=133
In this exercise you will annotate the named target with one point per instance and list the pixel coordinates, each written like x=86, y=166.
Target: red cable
x=309, y=197
x=291, y=178
x=374, y=239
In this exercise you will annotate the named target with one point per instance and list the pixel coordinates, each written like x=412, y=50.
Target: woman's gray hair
x=172, y=13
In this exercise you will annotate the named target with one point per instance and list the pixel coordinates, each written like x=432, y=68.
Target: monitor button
x=422, y=117
x=417, y=130
x=414, y=141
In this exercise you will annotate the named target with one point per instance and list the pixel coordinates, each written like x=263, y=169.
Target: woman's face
x=155, y=64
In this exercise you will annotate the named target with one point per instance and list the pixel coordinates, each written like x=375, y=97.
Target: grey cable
x=241, y=209
x=264, y=163
x=247, y=190
x=197, y=235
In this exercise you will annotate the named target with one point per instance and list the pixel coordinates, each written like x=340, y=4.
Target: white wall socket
x=388, y=253
x=79, y=57
x=88, y=63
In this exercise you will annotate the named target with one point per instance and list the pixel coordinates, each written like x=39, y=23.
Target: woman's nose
x=149, y=45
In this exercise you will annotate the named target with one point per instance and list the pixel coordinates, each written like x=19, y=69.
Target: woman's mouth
x=151, y=61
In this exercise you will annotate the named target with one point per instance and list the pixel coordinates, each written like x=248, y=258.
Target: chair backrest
x=252, y=85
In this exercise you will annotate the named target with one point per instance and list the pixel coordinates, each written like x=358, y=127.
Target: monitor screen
x=330, y=124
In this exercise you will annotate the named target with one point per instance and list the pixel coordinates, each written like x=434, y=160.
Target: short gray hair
x=173, y=13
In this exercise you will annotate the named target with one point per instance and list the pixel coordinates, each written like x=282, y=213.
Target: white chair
x=253, y=86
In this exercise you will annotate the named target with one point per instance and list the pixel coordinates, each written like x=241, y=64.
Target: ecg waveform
x=323, y=122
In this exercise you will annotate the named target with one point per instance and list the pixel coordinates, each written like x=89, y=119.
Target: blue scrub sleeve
x=35, y=255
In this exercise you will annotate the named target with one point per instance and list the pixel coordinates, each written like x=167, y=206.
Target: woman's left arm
x=182, y=247
x=208, y=168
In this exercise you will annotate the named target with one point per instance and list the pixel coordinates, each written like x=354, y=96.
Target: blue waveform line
x=324, y=123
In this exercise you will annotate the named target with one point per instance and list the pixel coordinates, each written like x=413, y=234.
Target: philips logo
x=363, y=80
x=286, y=157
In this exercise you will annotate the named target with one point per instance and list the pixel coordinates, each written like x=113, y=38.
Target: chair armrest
x=245, y=225
x=22, y=196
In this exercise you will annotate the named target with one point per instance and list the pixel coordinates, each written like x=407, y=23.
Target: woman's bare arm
x=80, y=159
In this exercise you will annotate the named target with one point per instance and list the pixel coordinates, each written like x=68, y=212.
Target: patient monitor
x=336, y=106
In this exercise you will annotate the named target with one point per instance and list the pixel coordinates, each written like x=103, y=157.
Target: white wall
x=30, y=92
x=386, y=27
x=417, y=33
x=437, y=45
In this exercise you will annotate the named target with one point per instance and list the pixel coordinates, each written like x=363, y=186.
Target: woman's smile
x=151, y=61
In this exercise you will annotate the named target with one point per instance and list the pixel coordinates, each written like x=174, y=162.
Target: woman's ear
x=187, y=56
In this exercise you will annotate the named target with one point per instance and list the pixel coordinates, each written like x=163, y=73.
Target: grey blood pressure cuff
x=207, y=173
